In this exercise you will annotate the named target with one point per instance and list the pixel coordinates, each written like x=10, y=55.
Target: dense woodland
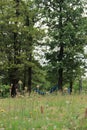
x=34, y=30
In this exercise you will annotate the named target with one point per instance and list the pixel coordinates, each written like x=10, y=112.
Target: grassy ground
x=50, y=112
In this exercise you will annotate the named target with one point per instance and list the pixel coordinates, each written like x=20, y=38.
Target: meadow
x=49, y=112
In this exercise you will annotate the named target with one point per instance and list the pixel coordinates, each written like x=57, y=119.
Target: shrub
x=4, y=90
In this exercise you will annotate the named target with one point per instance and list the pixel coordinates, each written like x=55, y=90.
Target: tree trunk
x=24, y=79
x=14, y=72
x=60, y=56
x=60, y=71
x=80, y=85
x=29, y=79
x=30, y=57
x=14, y=87
x=71, y=84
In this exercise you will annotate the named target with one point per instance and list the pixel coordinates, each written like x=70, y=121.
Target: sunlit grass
x=58, y=112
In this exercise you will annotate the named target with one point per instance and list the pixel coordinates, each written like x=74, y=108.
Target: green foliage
x=4, y=90
x=18, y=37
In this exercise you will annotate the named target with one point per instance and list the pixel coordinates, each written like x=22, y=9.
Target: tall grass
x=59, y=113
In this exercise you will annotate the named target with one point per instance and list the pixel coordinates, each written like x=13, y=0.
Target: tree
x=65, y=24
x=18, y=37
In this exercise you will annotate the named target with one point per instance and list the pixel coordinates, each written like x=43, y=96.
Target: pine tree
x=19, y=36
x=65, y=24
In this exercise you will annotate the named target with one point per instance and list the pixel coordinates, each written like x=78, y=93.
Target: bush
x=4, y=90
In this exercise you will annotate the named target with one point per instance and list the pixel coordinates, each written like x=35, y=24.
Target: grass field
x=50, y=112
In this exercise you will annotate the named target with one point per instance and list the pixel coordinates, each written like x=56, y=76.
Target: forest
x=43, y=43
x=43, y=65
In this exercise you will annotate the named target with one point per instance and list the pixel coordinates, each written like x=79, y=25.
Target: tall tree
x=18, y=36
x=65, y=23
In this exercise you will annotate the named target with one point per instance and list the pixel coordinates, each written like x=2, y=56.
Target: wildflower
x=33, y=128
x=29, y=120
x=54, y=127
x=67, y=102
x=2, y=110
x=47, y=118
x=16, y=117
x=47, y=106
